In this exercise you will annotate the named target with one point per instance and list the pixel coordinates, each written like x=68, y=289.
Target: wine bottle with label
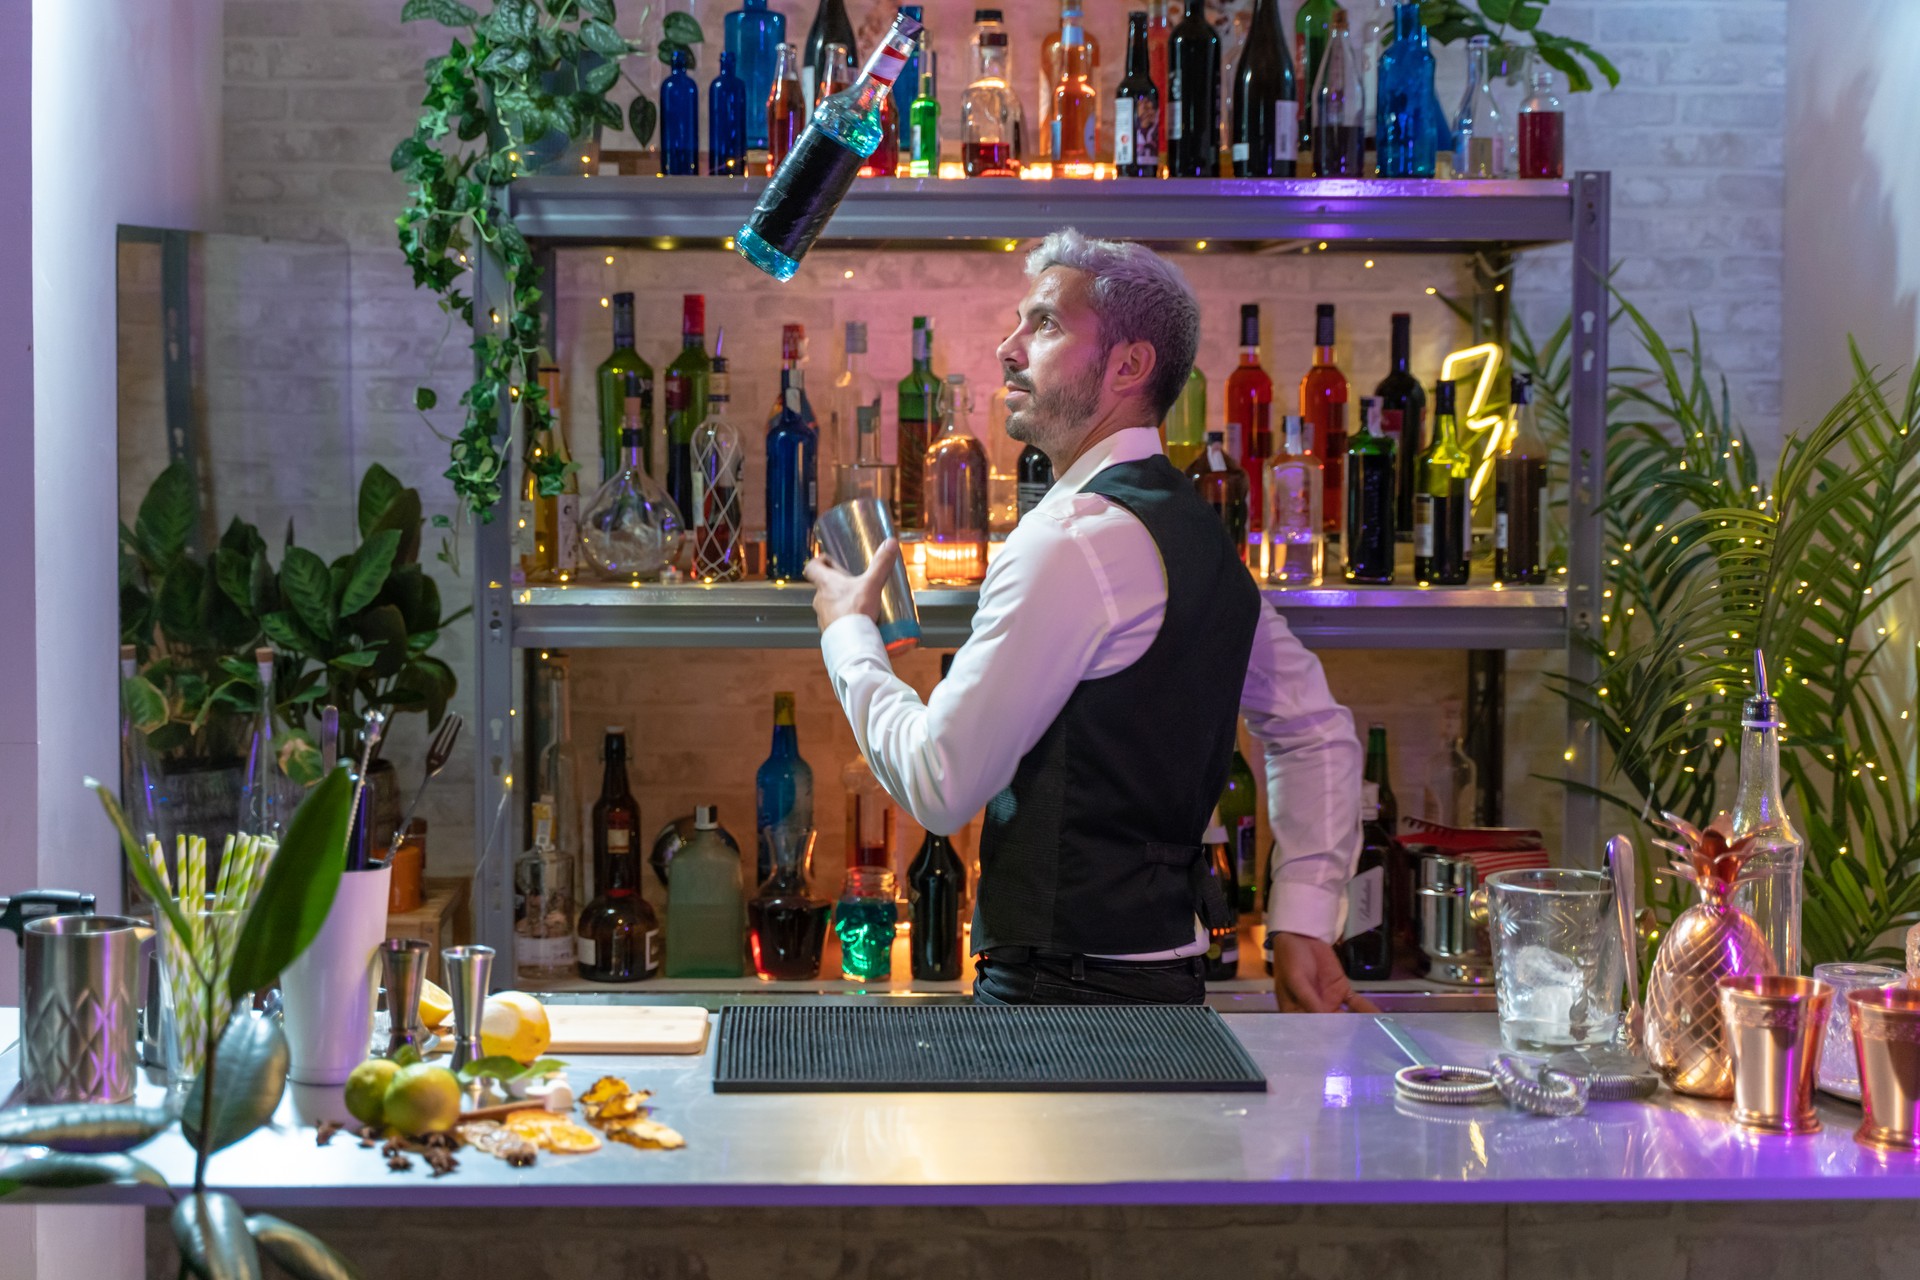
x=618, y=938
x=1403, y=416
x=1366, y=952
x=1136, y=109
x=1193, y=96
x=1442, y=509
x=1323, y=403
x=1035, y=478
x=685, y=397
x=918, y=417
x=1266, y=101
x=1371, y=468
x=1520, y=539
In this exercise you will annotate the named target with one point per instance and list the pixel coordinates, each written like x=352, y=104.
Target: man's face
x=1054, y=363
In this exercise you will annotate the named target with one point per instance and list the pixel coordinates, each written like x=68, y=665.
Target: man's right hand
x=838, y=594
x=1307, y=978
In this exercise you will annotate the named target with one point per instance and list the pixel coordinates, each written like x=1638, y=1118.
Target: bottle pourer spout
x=1760, y=673
x=1760, y=711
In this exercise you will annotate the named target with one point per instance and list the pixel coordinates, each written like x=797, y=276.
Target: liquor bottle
x=727, y=121
x=955, y=500
x=1366, y=952
x=1400, y=865
x=1371, y=473
x=855, y=436
x=787, y=925
x=1266, y=101
x=543, y=902
x=1312, y=35
x=1223, y=940
x=1479, y=128
x=836, y=73
x=1136, y=108
x=1338, y=103
x=1249, y=411
x=1543, y=126
x=1442, y=540
x=923, y=120
x=871, y=816
x=817, y=174
x=754, y=36
x=1296, y=537
x=830, y=26
x=917, y=415
x=1774, y=897
x=631, y=529
x=1075, y=120
x=936, y=885
x=1403, y=415
x=262, y=811
x=719, y=455
x=1520, y=495
x=990, y=112
x=786, y=107
x=1159, y=32
x=1323, y=403
x=1223, y=485
x=685, y=395
x=679, y=120
x=554, y=771
x=1193, y=96
x=907, y=87
x=1186, y=425
x=618, y=938
x=1373, y=33
x=1036, y=477
x=793, y=443
x=625, y=384
x=885, y=160
x=1053, y=65
x=554, y=554
x=1408, y=133
x=1239, y=814
x=1460, y=798
x=783, y=797
x=706, y=904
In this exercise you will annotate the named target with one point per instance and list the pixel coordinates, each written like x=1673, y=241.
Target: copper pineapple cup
x=1777, y=1026
x=1886, y=1039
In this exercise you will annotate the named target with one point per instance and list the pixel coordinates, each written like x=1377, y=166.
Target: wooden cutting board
x=627, y=1028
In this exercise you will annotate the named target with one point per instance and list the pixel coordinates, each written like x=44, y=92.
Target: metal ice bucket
x=850, y=533
x=1453, y=923
x=79, y=1014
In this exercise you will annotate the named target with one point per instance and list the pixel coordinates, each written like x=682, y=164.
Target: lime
x=366, y=1090
x=422, y=1099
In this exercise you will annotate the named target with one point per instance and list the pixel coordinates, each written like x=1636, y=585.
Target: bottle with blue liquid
x=1409, y=123
x=793, y=447
x=727, y=122
x=679, y=121
x=754, y=34
x=783, y=799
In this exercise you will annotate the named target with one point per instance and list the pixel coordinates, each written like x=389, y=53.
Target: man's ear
x=1130, y=368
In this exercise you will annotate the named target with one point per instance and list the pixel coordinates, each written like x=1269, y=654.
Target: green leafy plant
x=245, y=1073
x=526, y=71
x=1505, y=22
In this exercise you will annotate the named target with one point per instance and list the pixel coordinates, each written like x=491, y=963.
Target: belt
x=1080, y=963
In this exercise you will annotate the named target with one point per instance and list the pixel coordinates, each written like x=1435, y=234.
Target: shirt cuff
x=1309, y=909
x=850, y=639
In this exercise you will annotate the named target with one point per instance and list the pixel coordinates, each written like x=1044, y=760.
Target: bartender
x=1092, y=710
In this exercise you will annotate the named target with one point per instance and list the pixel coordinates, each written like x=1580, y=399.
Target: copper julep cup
x=1886, y=1040
x=1777, y=1026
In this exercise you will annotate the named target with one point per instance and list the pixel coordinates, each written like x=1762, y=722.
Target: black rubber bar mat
x=970, y=1048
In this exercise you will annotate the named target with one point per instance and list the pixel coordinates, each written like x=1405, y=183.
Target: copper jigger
x=1886, y=1039
x=1777, y=1026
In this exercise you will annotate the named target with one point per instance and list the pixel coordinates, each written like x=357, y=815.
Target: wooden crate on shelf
x=443, y=919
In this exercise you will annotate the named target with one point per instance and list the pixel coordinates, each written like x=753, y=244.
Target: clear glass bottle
x=1053, y=66
x=783, y=797
x=556, y=774
x=871, y=817
x=955, y=551
x=727, y=117
x=866, y=918
x=1775, y=896
x=990, y=111
x=1186, y=425
x=859, y=468
x=631, y=530
x=1543, y=124
x=140, y=787
x=793, y=447
x=923, y=120
x=1223, y=485
x=1339, y=106
x=679, y=119
x=786, y=107
x=706, y=905
x=718, y=457
x=262, y=811
x=543, y=901
x=1075, y=119
x=1296, y=538
x=1480, y=131
x=754, y=34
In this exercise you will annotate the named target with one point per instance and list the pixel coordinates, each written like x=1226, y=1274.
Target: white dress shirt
x=1078, y=593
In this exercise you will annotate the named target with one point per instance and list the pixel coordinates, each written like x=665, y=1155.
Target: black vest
x=1095, y=848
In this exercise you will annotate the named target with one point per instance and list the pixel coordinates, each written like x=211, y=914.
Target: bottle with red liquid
x=1323, y=403
x=990, y=114
x=885, y=159
x=871, y=817
x=836, y=73
x=1249, y=413
x=786, y=107
x=1543, y=125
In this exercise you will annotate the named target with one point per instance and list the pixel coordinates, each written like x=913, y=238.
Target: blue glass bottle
x=907, y=87
x=793, y=446
x=1409, y=119
x=679, y=121
x=783, y=798
x=754, y=34
x=727, y=121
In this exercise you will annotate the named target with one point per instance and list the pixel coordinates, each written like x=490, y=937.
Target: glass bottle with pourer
x=1773, y=898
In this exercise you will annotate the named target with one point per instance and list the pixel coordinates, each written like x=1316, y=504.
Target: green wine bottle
x=1442, y=510
x=919, y=416
x=686, y=400
x=623, y=377
x=1239, y=814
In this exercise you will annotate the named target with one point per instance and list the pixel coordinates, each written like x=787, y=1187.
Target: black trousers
x=1017, y=975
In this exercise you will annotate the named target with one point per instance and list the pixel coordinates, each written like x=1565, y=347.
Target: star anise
x=399, y=1162
x=324, y=1131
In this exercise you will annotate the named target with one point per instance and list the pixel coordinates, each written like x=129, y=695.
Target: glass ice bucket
x=1557, y=959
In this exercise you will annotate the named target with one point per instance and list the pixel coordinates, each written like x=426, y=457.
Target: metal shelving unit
x=1250, y=215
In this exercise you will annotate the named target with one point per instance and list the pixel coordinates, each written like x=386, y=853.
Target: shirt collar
x=1132, y=444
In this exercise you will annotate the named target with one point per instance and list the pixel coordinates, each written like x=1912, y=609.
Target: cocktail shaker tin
x=850, y=533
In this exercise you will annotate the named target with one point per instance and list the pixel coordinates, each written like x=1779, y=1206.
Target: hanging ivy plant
x=527, y=72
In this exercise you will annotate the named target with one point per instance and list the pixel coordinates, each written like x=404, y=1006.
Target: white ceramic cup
x=328, y=993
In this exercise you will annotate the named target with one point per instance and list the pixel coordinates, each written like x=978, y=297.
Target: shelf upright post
x=1485, y=721
x=494, y=822
x=1586, y=490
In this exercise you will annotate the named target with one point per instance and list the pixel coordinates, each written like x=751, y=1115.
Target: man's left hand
x=838, y=594
x=1307, y=978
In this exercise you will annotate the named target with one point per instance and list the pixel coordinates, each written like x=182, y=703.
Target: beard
x=1055, y=418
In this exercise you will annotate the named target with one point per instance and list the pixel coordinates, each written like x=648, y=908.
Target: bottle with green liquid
x=624, y=376
x=1186, y=425
x=706, y=905
x=919, y=419
x=688, y=380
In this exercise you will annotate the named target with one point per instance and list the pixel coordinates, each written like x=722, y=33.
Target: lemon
x=422, y=1099
x=366, y=1090
x=514, y=1025
x=436, y=1006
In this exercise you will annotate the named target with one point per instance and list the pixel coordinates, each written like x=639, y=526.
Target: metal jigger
x=403, y=967
x=469, y=970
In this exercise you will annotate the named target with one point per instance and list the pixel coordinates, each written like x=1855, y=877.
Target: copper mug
x=1886, y=1040
x=1777, y=1026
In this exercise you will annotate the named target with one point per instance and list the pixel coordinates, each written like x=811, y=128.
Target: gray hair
x=1138, y=296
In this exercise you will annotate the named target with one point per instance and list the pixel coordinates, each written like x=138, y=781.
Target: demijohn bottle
x=1266, y=100
x=1193, y=96
x=936, y=885
x=619, y=936
x=1371, y=468
x=1442, y=510
x=1520, y=495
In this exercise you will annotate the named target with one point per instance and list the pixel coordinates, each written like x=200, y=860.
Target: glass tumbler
x=865, y=919
x=1839, y=1072
x=1558, y=964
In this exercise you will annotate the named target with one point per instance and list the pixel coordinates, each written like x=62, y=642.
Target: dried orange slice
x=604, y=1088
x=533, y=1118
x=639, y=1132
x=567, y=1138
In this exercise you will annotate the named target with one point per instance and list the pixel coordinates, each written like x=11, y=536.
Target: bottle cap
x=693, y=315
x=1323, y=325
x=1216, y=437
x=679, y=62
x=1520, y=391
x=1760, y=711
x=987, y=15
x=793, y=339
x=705, y=817
x=616, y=731
x=1293, y=433
x=1370, y=415
x=1443, y=397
